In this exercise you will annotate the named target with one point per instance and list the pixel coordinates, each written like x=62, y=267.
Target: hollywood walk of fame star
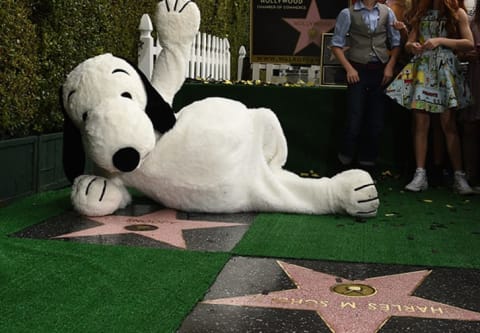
x=161, y=225
x=349, y=306
x=310, y=27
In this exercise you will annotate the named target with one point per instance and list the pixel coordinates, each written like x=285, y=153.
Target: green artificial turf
x=56, y=286
x=433, y=228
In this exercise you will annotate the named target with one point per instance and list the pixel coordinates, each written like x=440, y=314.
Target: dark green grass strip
x=434, y=228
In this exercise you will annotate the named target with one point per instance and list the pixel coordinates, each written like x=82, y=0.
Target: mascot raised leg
x=214, y=155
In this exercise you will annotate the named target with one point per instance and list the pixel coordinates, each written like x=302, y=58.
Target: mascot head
x=112, y=113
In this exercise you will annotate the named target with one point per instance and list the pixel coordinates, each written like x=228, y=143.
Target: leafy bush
x=19, y=68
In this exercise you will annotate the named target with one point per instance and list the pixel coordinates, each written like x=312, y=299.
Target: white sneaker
x=419, y=181
x=460, y=184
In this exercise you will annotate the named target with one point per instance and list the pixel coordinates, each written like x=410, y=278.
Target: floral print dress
x=431, y=81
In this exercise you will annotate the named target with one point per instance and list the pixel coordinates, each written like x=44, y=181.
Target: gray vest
x=363, y=41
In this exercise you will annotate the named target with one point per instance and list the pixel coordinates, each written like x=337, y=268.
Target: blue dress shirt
x=370, y=17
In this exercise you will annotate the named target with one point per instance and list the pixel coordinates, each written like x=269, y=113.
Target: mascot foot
x=98, y=196
x=356, y=193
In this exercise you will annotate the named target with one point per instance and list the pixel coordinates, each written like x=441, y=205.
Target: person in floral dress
x=432, y=83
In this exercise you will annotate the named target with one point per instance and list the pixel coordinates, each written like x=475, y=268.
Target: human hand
x=399, y=25
x=387, y=74
x=431, y=44
x=416, y=48
x=352, y=76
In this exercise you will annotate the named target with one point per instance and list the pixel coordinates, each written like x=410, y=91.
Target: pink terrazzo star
x=310, y=27
x=353, y=306
x=161, y=225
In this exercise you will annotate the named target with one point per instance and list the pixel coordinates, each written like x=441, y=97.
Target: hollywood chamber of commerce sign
x=290, y=31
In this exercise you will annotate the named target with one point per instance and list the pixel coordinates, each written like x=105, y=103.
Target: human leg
x=452, y=140
x=353, y=122
x=420, y=139
x=420, y=142
x=373, y=121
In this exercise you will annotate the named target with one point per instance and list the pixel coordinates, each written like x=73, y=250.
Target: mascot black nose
x=126, y=159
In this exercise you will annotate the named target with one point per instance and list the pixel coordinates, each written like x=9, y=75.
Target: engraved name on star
x=161, y=225
x=311, y=27
x=352, y=306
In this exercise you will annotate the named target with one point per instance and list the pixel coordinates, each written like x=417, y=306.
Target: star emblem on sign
x=161, y=225
x=311, y=27
x=351, y=306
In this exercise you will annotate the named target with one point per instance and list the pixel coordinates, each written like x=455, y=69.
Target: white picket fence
x=209, y=57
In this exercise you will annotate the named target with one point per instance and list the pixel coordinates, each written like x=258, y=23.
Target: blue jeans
x=366, y=104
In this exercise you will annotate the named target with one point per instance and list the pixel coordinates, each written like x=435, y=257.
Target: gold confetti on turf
x=314, y=174
x=310, y=173
x=387, y=173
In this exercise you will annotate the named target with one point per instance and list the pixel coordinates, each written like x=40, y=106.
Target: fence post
x=221, y=60
x=190, y=70
x=269, y=72
x=208, y=57
x=199, y=55
x=203, y=66
x=145, y=49
x=213, y=67
x=312, y=73
x=227, y=57
x=242, y=52
x=215, y=51
x=256, y=71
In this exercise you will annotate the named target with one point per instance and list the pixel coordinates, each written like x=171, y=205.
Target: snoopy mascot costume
x=214, y=155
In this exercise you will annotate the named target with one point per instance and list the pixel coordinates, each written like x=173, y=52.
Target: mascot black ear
x=73, y=152
x=160, y=112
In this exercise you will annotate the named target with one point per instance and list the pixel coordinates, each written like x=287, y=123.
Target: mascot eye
x=85, y=116
x=127, y=95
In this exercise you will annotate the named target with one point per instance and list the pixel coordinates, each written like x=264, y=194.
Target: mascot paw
x=356, y=191
x=176, y=22
x=98, y=196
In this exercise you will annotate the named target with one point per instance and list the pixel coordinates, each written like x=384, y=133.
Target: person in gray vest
x=369, y=61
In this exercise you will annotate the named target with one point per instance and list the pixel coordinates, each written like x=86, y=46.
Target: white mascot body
x=214, y=155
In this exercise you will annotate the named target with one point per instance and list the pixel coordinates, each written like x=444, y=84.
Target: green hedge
x=19, y=70
x=227, y=18
x=43, y=40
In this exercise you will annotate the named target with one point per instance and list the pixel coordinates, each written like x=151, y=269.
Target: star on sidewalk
x=161, y=225
x=310, y=27
x=351, y=306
